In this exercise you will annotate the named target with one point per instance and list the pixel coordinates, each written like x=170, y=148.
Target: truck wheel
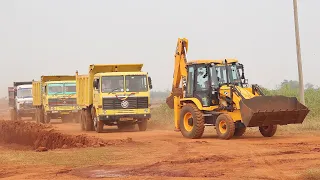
x=18, y=117
x=13, y=114
x=98, y=125
x=46, y=119
x=225, y=126
x=88, y=121
x=82, y=120
x=143, y=125
x=268, y=131
x=41, y=116
x=191, y=121
x=239, y=131
x=75, y=118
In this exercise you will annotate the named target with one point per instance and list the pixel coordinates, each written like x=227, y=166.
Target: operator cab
x=205, y=78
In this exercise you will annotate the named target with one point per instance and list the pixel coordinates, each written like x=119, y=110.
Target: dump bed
x=36, y=93
x=82, y=90
x=15, y=84
x=57, y=78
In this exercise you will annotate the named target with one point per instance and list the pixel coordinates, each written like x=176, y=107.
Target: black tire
x=76, y=118
x=18, y=116
x=88, y=122
x=225, y=126
x=268, y=131
x=191, y=121
x=98, y=125
x=239, y=131
x=13, y=115
x=41, y=116
x=82, y=120
x=143, y=125
x=46, y=119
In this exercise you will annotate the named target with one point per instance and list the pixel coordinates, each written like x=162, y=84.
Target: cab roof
x=219, y=61
x=120, y=73
x=59, y=82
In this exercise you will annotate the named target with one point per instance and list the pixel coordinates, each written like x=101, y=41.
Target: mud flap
x=272, y=110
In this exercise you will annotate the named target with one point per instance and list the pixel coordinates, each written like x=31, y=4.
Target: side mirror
x=150, y=82
x=96, y=84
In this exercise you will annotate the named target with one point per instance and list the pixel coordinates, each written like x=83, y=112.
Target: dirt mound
x=41, y=136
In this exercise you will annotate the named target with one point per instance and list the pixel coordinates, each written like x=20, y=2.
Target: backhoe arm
x=180, y=73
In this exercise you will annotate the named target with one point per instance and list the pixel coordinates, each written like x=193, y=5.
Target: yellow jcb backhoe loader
x=215, y=92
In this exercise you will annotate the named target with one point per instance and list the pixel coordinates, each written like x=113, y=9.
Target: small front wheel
x=225, y=126
x=268, y=131
x=143, y=125
x=98, y=125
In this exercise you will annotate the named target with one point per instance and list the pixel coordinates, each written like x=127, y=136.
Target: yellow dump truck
x=55, y=98
x=114, y=95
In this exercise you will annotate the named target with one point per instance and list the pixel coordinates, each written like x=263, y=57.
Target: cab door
x=96, y=92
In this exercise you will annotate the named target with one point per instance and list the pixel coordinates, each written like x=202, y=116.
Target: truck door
x=96, y=91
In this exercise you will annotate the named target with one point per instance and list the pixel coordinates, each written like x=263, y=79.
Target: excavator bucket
x=272, y=110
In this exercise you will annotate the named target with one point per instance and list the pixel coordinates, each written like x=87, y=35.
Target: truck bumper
x=126, y=117
x=60, y=113
x=26, y=112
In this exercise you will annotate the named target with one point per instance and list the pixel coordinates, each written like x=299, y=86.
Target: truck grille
x=133, y=103
x=26, y=105
x=62, y=102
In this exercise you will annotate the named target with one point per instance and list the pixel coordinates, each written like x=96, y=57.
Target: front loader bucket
x=272, y=110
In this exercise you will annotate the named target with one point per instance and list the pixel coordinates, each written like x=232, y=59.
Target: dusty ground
x=154, y=154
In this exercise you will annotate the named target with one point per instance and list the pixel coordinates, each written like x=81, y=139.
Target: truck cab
x=55, y=98
x=114, y=95
x=21, y=101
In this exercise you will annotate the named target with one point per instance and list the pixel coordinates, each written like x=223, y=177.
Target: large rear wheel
x=191, y=121
x=268, y=131
x=82, y=120
x=88, y=120
x=46, y=118
x=225, y=126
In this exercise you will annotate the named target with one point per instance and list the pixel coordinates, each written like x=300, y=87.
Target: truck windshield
x=112, y=84
x=70, y=88
x=55, y=89
x=24, y=93
x=136, y=83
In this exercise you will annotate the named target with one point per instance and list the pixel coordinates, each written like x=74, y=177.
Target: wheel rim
x=223, y=127
x=186, y=121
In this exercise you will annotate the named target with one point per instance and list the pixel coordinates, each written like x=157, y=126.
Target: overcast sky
x=39, y=37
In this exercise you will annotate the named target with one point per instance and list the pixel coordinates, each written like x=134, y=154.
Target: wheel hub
x=190, y=121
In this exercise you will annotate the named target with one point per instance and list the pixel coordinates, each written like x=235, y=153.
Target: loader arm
x=180, y=71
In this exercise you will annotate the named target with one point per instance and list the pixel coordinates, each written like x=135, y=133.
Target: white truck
x=21, y=101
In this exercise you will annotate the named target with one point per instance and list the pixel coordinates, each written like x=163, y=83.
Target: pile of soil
x=45, y=137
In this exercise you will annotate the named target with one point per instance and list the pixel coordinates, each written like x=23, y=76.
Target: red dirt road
x=160, y=154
